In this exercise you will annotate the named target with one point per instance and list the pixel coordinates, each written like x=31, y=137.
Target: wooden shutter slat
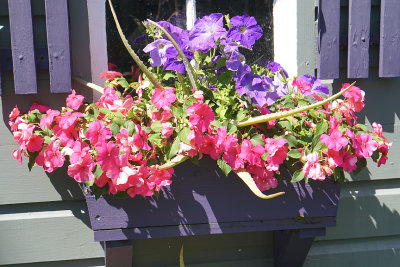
x=58, y=45
x=328, y=39
x=358, y=41
x=389, y=54
x=22, y=46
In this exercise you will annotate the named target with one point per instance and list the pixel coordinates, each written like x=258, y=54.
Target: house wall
x=44, y=220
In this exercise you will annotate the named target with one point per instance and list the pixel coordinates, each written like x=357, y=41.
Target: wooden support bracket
x=291, y=246
x=118, y=253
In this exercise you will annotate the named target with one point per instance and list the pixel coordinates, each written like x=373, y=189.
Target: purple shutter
x=358, y=41
x=58, y=46
x=389, y=54
x=328, y=39
x=22, y=46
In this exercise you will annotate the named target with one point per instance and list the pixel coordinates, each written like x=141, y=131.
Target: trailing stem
x=135, y=57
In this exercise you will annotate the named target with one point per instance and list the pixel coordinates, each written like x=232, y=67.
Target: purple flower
x=174, y=60
x=274, y=90
x=276, y=67
x=157, y=50
x=230, y=46
x=316, y=85
x=252, y=85
x=181, y=36
x=206, y=32
x=235, y=61
x=245, y=30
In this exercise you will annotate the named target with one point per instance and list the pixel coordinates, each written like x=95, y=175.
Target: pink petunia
x=334, y=140
x=349, y=161
x=35, y=143
x=163, y=98
x=83, y=170
x=276, y=149
x=312, y=168
x=201, y=115
x=41, y=108
x=364, y=146
x=110, y=75
x=74, y=101
x=98, y=133
x=208, y=146
x=51, y=157
x=80, y=150
x=14, y=113
x=167, y=130
x=302, y=85
x=140, y=139
x=48, y=118
x=108, y=158
x=160, y=178
x=68, y=119
x=355, y=97
x=250, y=153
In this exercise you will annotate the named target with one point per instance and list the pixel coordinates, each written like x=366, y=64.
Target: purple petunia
x=157, y=50
x=180, y=35
x=174, y=60
x=316, y=85
x=206, y=32
x=276, y=67
x=245, y=30
x=235, y=61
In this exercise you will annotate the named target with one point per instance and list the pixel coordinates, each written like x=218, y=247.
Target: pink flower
x=74, y=101
x=68, y=119
x=349, y=161
x=14, y=113
x=364, y=145
x=35, y=143
x=108, y=158
x=141, y=86
x=51, y=157
x=276, y=149
x=163, y=98
x=80, y=150
x=112, y=66
x=198, y=95
x=334, y=140
x=82, y=171
x=251, y=154
x=160, y=178
x=302, y=85
x=110, y=75
x=208, y=146
x=140, y=139
x=47, y=119
x=17, y=155
x=108, y=97
x=201, y=115
x=384, y=149
x=355, y=97
x=66, y=136
x=312, y=169
x=377, y=129
x=41, y=108
x=22, y=136
x=98, y=133
x=167, y=130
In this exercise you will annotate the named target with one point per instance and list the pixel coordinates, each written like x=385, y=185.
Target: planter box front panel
x=201, y=200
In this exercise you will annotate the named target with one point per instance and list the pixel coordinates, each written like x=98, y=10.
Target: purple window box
x=201, y=200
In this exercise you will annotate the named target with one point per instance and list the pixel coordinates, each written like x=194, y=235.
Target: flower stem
x=180, y=79
x=135, y=57
x=283, y=114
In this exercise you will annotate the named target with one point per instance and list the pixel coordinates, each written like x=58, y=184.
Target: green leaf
x=316, y=143
x=32, y=157
x=297, y=176
x=264, y=156
x=361, y=164
x=338, y=174
x=156, y=126
x=89, y=183
x=155, y=138
x=121, y=195
x=168, y=76
x=241, y=115
x=174, y=148
x=114, y=128
x=292, y=141
x=285, y=125
x=224, y=166
x=183, y=135
x=294, y=153
x=231, y=128
x=361, y=126
x=178, y=112
x=104, y=111
x=99, y=191
x=97, y=171
x=257, y=140
x=122, y=81
x=321, y=127
x=130, y=126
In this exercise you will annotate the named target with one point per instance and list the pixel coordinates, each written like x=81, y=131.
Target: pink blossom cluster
x=121, y=141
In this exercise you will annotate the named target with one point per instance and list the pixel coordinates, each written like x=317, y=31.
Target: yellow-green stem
x=135, y=57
